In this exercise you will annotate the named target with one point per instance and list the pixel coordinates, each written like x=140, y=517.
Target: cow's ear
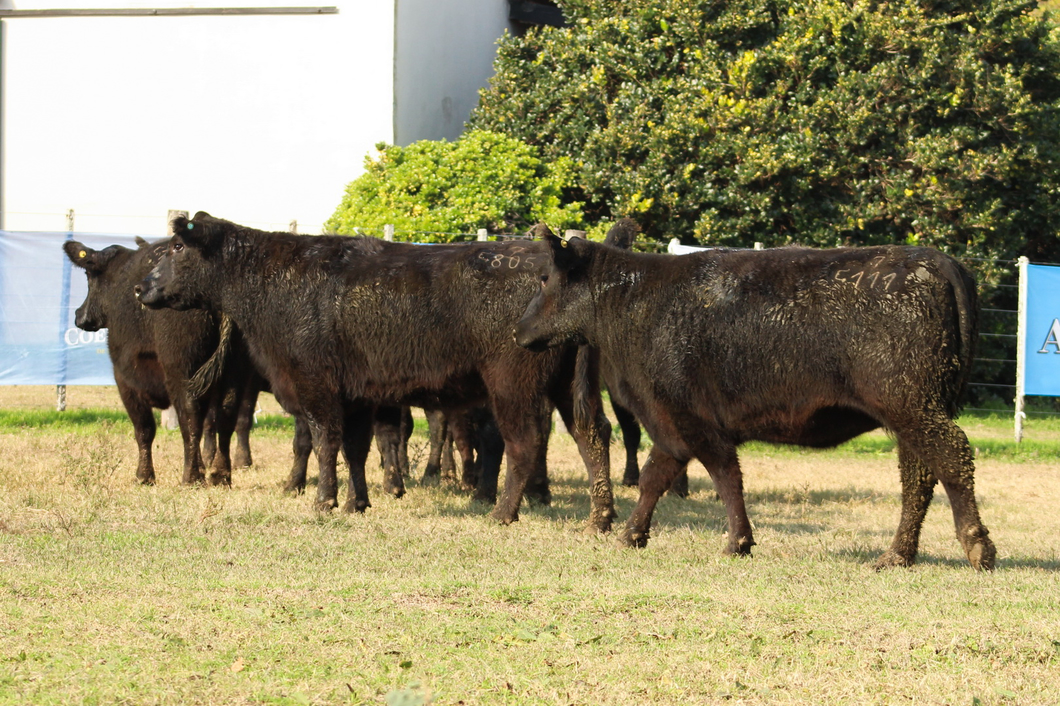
x=198, y=231
x=83, y=256
x=140, y=242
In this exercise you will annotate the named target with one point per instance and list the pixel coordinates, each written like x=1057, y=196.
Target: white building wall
x=258, y=119
x=444, y=54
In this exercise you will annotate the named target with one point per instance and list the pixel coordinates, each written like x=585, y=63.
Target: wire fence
x=1003, y=392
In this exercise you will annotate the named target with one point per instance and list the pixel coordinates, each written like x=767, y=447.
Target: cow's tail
x=211, y=371
x=966, y=301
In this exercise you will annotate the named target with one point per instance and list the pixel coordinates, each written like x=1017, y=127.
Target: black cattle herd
x=707, y=351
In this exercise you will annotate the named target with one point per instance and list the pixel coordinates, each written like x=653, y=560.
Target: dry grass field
x=115, y=593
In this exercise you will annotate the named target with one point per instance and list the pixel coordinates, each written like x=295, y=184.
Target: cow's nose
x=138, y=290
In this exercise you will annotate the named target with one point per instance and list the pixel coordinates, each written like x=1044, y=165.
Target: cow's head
x=562, y=310
x=92, y=314
x=181, y=279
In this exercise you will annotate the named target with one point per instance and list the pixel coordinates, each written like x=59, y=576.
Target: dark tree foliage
x=835, y=122
x=727, y=122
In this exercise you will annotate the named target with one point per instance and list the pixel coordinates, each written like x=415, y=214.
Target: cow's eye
x=544, y=280
x=177, y=247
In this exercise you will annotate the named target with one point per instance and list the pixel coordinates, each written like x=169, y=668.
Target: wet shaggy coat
x=154, y=354
x=339, y=325
x=791, y=345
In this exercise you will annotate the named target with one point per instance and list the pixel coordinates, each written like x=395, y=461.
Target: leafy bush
x=432, y=189
x=825, y=123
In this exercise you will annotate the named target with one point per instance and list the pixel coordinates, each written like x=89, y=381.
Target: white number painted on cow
x=872, y=280
x=516, y=260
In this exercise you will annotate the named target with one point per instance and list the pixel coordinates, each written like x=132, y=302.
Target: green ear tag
x=191, y=226
x=82, y=254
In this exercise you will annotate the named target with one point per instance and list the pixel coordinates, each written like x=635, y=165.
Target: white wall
x=444, y=54
x=259, y=119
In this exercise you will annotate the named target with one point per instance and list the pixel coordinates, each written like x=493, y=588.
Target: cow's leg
x=326, y=427
x=407, y=425
x=489, y=446
x=302, y=446
x=437, y=427
x=142, y=417
x=356, y=442
x=538, y=489
x=592, y=432
x=679, y=487
x=388, y=438
x=918, y=486
x=448, y=462
x=943, y=448
x=209, y=437
x=657, y=475
x=522, y=423
x=463, y=440
x=190, y=415
x=224, y=409
x=723, y=466
x=248, y=402
x=631, y=440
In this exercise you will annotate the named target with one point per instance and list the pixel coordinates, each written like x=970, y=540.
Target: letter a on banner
x=1038, y=343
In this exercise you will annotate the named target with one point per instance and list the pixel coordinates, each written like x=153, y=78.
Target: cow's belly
x=824, y=427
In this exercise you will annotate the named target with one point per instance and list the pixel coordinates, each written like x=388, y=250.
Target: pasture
x=115, y=593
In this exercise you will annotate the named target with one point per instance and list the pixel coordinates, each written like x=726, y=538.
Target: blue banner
x=39, y=292
x=1041, y=342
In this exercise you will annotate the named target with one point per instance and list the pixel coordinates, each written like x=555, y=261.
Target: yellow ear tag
x=563, y=243
x=82, y=254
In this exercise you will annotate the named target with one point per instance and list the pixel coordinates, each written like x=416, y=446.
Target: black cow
x=154, y=355
x=791, y=345
x=339, y=325
x=622, y=235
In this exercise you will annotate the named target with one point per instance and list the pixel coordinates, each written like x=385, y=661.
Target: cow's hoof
x=221, y=479
x=633, y=538
x=631, y=479
x=598, y=526
x=325, y=505
x=890, y=559
x=504, y=518
x=431, y=479
x=194, y=479
x=396, y=490
x=741, y=547
x=242, y=459
x=358, y=506
x=146, y=479
x=982, y=555
x=293, y=488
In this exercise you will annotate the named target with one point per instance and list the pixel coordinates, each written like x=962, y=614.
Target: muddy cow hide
x=339, y=325
x=155, y=353
x=790, y=345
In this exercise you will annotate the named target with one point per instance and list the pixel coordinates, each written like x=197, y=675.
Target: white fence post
x=293, y=227
x=483, y=234
x=388, y=232
x=1021, y=346
x=60, y=390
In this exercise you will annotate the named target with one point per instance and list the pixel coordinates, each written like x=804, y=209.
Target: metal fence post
x=60, y=390
x=1021, y=346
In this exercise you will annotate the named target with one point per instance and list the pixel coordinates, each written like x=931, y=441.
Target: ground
x=113, y=592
